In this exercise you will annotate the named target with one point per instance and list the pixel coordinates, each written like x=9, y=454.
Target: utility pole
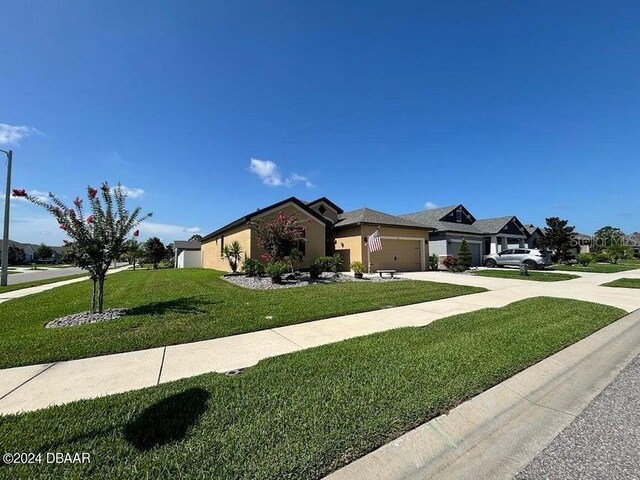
x=5, y=238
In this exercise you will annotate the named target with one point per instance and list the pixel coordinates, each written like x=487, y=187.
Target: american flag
x=375, y=242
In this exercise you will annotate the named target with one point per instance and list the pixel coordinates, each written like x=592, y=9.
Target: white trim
x=279, y=207
x=458, y=240
x=389, y=237
x=322, y=202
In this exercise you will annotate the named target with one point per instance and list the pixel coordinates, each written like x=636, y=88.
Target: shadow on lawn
x=168, y=420
x=179, y=305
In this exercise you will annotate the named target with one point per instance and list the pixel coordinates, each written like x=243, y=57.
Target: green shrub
x=357, y=267
x=295, y=258
x=314, y=271
x=602, y=257
x=336, y=263
x=276, y=269
x=585, y=259
x=452, y=264
x=465, y=260
x=252, y=267
x=324, y=263
x=434, y=262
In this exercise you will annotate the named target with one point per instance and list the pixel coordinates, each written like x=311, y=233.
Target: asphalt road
x=31, y=275
x=603, y=442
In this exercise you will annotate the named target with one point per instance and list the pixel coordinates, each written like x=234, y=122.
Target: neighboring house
x=455, y=223
x=187, y=254
x=535, y=234
x=581, y=243
x=633, y=241
x=450, y=226
x=27, y=248
x=501, y=233
x=30, y=249
x=328, y=229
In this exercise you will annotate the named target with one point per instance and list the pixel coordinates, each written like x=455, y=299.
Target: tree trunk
x=100, y=293
x=93, y=296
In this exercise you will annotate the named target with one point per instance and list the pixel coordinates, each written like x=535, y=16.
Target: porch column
x=522, y=245
x=504, y=245
x=493, y=247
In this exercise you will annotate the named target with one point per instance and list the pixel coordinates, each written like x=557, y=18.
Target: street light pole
x=5, y=237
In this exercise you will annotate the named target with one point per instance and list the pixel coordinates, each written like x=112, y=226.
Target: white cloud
x=12, y=134
x=167, y=231
x=430, y=205
x=295, y=178
x=270, y=175
x=36, y=228
x=132, y=192
x=267, y=171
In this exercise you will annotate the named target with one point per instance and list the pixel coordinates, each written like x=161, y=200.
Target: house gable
x=458, y=214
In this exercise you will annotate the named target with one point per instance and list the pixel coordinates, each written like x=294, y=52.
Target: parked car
x=531, y=257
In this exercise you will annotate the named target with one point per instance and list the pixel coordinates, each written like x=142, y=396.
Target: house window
x=322, y=209
x=458, y=216
x=221, y=246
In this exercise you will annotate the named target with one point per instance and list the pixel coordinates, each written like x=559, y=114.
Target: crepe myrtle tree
x=279, y=236
x=97, y=238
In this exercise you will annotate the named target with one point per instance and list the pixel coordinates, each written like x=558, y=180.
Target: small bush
x=434, y=262
x=252, y=267
x=602, y=257
x=453, y=264
x=585, y=259
x=336, y=263
x=276, y=269
x=324, y=263
x=357, y=267
x=295, y=258
x=314, y=272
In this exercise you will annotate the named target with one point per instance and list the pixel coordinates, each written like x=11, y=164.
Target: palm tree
x=233, y=254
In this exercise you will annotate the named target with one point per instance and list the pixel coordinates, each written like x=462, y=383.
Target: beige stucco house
x=329, y=230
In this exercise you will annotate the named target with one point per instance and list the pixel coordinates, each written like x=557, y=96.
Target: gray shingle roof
x=187, y=244
x=373, y=217
x=492, y=225
x=431, y=218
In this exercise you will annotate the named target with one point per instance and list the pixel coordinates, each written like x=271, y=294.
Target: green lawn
x=533, y=275
x=35, y=283
x=302, y=415
x=596, y=268
x=624, y=282
x=184, y=305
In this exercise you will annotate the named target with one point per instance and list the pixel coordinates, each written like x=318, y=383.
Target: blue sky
x=525, y=108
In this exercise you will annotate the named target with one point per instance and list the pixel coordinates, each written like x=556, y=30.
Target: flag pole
x=369, y=250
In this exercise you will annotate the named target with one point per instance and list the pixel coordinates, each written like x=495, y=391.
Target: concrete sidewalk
x=23, y=292
x=38, y=386
x=497, y=433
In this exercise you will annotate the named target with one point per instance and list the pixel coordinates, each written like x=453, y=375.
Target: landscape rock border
x=298, y=280
x=85, y=318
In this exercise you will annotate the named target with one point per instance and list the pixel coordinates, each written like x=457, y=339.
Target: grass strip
x=302, y=415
